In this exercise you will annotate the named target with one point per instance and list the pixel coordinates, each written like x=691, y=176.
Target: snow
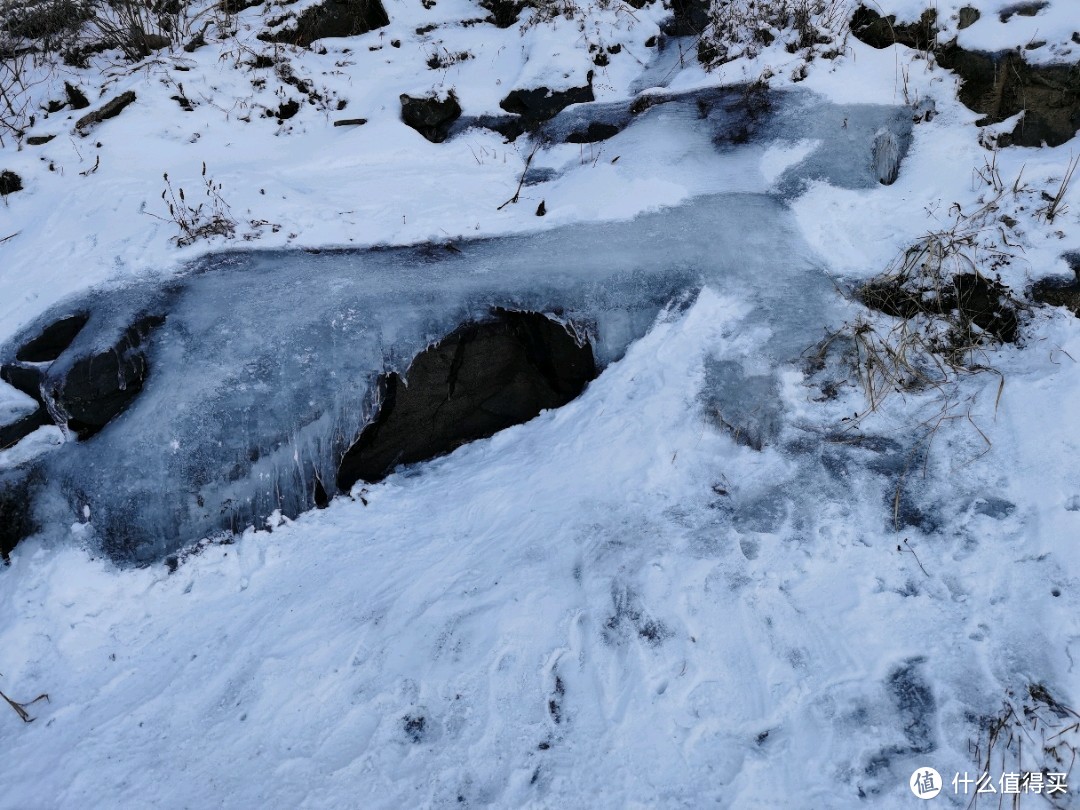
x=701, y=582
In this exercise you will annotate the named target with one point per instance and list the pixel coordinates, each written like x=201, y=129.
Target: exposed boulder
x=880, y=32
x=998, y=85
x=431, y=116
x=480, y=379
x=18, y=430
x=9, y=183
x=25, y=378
x=333, y=18
x=1061, y=292
x=76, y=99
x=971, y=298
x=15, y=516
x=594, y=132
x=969, y=15
x=538, y=105
x=504, y=13
x=1002, y=85
x=53, y=340
x=110, y=109
x=98, y=387
x=688, y=18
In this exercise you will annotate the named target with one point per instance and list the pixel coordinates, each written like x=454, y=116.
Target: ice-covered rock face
x=235, y=391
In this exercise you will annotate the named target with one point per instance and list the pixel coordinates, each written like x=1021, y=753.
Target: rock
x=1026, y=9
x=350, y=122
x=595, y=131
x=1002, y=85
x=53, y=340
x=689, y=18
x=23, y=378
x=39, y=140
x=480, y=379
x=287, y=109
x=75, y=98
x=881, y=32
x=504, y=13
x=430, y=116
x=541, y=209
x=145, y=44
x=333, y=18
x=15, y=515
x=1061, y=292
x=988, y=305
x=541, y=104
x=18, y=430
x=997, y=85
x=111, y=109
x=96, y=388
x=9, y=183
x=977, y=300
x=968, y=17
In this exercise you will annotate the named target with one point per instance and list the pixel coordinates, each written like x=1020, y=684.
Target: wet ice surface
x=263, y=371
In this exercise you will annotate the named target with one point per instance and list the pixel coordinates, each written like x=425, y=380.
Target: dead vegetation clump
x=946, y=311
x=1030, y=745
x=738, y=28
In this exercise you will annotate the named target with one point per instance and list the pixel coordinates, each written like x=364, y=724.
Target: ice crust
x=264, y=369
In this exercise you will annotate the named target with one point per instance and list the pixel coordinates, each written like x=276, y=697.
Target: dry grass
x=739, y=28
x=1036, y=738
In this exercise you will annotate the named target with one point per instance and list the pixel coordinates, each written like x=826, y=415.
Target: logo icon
x=925, y=783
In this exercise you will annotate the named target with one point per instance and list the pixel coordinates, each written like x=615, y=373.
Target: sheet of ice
x=245, y=406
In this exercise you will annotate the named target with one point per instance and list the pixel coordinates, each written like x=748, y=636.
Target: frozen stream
x=262, y=373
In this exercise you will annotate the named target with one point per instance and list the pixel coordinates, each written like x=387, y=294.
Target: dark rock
x=541, y=104
x=1002, y=85
x=23, y=378
x=987, y=304
x=111, y=109
x=195, y=43
x=504, y=13
x=98, y=387
x=236, y=6
x=75, y=98
x=1061, y=292
x=880, y=32
x=333, y=18
x=980, y=301
x=145, y=44
x=478, y=380
x=968, y=17
x=541, y=209
x=997, y=85
x=1028, y=9
x=16, y=521
x=39, y=140
x=9, y=183
x=21, y=428
x=350, y=122
x=689, y=18
x=430, y=116
x=52, y=341
x=595, y=131
x=287, y=109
